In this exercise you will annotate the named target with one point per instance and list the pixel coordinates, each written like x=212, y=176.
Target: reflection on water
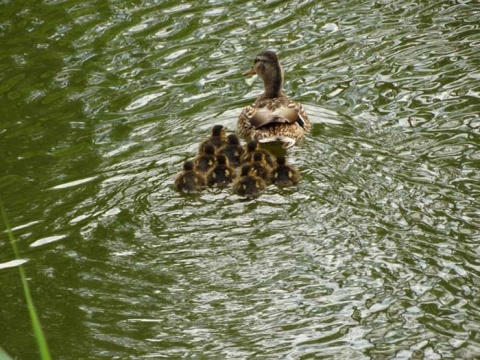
x=374, y=255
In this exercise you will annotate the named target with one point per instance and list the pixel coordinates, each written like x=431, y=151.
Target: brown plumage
x=233, y=150
x=260, y=165
x=189, y=180
x=221, y=174
x=284, y=174
x=205, y=161
x=252, y=148
x=218, y=138
x=249, y=184
x=273, y=117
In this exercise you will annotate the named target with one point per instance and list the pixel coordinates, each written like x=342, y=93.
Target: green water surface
x=375, y=255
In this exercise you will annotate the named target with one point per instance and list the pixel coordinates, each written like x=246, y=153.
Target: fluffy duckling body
x=221, y=174
x=273, y=116
x=249, y=184
x=189, y=180
x=233, y=150
x=261, y=166
x=284, y=174
x=252, y=148
x=205, y=161
x=218, y=138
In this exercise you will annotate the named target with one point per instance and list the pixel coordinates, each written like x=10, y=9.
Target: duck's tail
x=286, y=141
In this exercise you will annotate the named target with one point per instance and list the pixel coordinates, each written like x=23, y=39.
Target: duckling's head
x=188, y=165
x=248, y=170
x=252, y=146
x=222, y=160
x=232, y=139
x=281, y=160
x=209, y=149
x=218, y=130
x=258, y=157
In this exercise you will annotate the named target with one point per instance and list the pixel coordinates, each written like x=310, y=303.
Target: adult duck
x=273, y=116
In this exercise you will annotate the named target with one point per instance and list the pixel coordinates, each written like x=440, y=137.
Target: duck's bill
x=249, y=72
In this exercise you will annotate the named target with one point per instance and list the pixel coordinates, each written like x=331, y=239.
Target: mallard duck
x=189, y=180
x=284, y=174
x=221, y=174
x=205, y=161
x=218, y=138
x=249, y=184
x=233, y=150
x=252, y=148
x=260, y=165
x=273, y=116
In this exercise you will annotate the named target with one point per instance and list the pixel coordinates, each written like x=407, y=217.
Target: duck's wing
x=280, y=110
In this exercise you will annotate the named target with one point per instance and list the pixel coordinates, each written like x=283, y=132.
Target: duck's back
x=189, y=181
x=220, y=175
x=249, y=186
x=285, y=175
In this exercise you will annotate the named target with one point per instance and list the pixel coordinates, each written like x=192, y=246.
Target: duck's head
x=252, y=145
x=209, y=149
x=232, y=139
x=259, y=157
x=281, y=160
x=218, y=130
x=188, y=165
x=248, y=170
x=267, y=66
x=222, y=160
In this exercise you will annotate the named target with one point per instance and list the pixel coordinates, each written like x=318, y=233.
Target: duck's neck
x=273, y=82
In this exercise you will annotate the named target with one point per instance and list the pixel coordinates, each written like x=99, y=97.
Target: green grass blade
x=37, y=329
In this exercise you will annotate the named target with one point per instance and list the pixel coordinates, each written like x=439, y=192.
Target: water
x=375, y=254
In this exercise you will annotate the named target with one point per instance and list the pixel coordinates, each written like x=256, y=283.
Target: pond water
x=375, y=255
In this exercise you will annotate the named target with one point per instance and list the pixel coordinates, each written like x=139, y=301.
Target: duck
x=218, y=138
x=233, y=150
x=249, y=184
x=261, y=166
x=188, y=180
x=273, y=116
x=284, y=174
x=206, y=160
x=221, y=174
x=252, y=148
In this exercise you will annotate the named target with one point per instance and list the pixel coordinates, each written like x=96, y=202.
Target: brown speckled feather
x=274, y=119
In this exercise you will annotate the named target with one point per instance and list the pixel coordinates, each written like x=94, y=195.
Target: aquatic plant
x=37, y=329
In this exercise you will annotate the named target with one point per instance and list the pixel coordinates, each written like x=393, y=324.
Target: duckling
x=189, y=180
x=205, y=161
x=273, y=116
x=221, y=174
x=252, y=148
x=233, y=150
x=249, y=184
x=260, y=165
x=284, y=174
x=217, y=139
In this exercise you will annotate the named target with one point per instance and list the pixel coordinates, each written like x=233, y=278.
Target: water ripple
x=374, y=255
